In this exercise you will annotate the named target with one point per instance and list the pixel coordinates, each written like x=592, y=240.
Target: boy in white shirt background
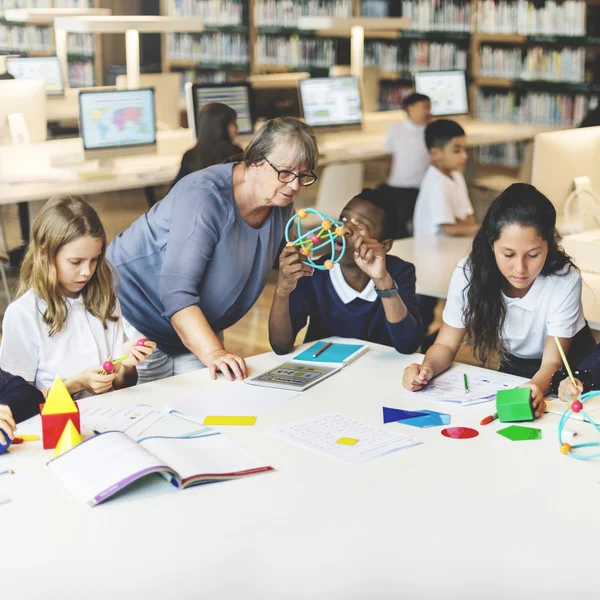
x=443, y=206
x=410, y=159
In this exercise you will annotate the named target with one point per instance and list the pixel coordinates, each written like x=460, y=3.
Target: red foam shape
x=460, y=433
x=54, y=425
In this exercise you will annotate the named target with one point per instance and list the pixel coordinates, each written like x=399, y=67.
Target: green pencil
x=466, y=383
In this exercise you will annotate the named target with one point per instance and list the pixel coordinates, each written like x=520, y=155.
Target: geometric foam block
x=59, y=400
x=514, y=405
x=53, y=425
x=69, y=439
x=517, y=433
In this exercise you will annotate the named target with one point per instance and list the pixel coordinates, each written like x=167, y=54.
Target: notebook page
x=102, y=465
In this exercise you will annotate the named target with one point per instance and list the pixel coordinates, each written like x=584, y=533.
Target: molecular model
x=317, y=238
x=577, y=407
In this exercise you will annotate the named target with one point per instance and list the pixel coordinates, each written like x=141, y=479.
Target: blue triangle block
x=397, y=414
x=430, y=418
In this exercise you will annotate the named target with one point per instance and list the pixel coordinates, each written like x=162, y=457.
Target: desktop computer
x=331, y=102
x=46, y=67
x=447, y=90
x=117, y=123
x=22, y=111
x=234, y=95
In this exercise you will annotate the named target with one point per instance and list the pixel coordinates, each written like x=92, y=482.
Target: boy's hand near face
x=369, y=256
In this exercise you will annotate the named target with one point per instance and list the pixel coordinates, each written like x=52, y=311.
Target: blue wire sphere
x=568, y=449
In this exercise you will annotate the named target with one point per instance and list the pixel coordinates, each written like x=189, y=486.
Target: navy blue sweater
x=592, y=363
x=21, y=397
x=315, y=299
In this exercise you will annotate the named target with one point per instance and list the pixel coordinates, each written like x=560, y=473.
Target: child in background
x=410, y=159
x=443, y=206
x=368, y=295
x=511, y=296
x=67, y=319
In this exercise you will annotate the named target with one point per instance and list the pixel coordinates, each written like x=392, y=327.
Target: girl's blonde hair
x=63, y=220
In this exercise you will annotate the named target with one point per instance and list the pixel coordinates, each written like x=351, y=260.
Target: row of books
x=81, y=43
x=418, y=56
x=208, y=48
x=73, y=4
x=285, y=13
x=509, y=155
x=10, y=4
x=194, y=76
x=25, y=38
x=547, y=64
x=438, y=15
x=533, y=107
x=213, y=12
x=294, y=51
x=392, y=94
x=529, y=18
x=81, y=73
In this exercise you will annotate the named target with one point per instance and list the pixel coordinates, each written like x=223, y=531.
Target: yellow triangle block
x=69, y=438
x=59, y=400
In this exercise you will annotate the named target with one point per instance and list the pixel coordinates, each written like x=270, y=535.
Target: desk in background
x=436, y=257
x=453, y=519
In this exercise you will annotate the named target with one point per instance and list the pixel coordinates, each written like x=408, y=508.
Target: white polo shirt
x=551, y=307
x=441, y=201
x=410, y=157
x=28, y=350
x=348, y=294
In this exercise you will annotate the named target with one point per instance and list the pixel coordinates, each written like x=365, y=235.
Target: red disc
x=460, y=433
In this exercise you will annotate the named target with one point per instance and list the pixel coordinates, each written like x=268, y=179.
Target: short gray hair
x=276, y=130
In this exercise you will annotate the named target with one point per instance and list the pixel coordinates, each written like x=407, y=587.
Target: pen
x=466, y=383
x=96, y=432
x=29, y=438
x=321, y=350
x=489, y=419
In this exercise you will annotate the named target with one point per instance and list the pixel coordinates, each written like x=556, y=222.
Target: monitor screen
x=47, y=68
x=273, y=102
x=117, y=119
x=234, y=95
x=328, y=101
x=447, y=90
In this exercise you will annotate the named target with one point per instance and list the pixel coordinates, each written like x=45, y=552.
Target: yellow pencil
x=567, y=367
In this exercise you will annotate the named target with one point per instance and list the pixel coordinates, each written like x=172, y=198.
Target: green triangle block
x=518, y=433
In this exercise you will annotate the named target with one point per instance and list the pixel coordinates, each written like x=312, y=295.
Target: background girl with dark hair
x=509, y=298
x=216, y=132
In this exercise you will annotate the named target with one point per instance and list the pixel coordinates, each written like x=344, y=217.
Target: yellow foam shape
x=69, y=438
x=224, y=420
x=347, y=441
x=59, y=400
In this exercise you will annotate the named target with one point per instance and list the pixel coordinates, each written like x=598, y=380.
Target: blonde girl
x=67, y=320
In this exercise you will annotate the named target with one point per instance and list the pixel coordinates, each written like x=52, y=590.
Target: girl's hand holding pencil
x=568, y=392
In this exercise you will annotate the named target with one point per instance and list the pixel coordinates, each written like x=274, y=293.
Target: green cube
x=514, y=405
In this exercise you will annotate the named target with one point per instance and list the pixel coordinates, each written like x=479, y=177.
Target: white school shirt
x=410, y=157
x=441, y=201
x=348, y=294
x=28, y=350
x=551, y=307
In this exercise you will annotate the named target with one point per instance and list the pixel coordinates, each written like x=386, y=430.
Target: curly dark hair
x=485, y=312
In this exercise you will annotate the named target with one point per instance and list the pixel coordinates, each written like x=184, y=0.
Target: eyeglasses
x=285, y=176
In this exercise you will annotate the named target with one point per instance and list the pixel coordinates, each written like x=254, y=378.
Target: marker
x=28, y=438
x=466, y=383
x=320, y=351
x=489, y=419
x=17, y=440
x=96, y=432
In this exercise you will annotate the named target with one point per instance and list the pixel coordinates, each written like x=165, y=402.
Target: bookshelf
x=26, y=28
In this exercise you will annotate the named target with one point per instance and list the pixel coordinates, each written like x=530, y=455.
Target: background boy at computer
x=410, y=159
x=443, y=206
x=368, y=295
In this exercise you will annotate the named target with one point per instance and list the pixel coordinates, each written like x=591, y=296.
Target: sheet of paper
x=322, y=433
x=591, y=408
x=232, y=399
x=132, y=420
x=483, y=385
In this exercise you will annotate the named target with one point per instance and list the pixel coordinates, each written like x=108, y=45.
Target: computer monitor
x=561, y=156
x=43, y=67
x=234, y=95
x=331, y=101
x=447, y=90
x=117, y=123
x=26, y=97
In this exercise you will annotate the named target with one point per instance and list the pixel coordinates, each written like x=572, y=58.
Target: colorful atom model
x=577, y=407
x=319, y=237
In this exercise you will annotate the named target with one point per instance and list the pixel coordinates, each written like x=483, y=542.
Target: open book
x=118, y=461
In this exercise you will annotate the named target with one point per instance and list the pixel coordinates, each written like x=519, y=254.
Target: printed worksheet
x=132, y=420
x=342, y=437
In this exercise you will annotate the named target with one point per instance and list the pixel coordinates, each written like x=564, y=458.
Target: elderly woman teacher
x=198, y=260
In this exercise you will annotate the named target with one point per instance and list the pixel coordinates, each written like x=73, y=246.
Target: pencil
x=321, y=350
x=564, y=358
x=466, y=383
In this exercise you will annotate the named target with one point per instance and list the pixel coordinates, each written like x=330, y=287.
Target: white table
x=436, y=257
x=454, y=519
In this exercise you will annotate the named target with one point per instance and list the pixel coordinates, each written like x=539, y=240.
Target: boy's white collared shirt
x=345, y=292
x=551, y=307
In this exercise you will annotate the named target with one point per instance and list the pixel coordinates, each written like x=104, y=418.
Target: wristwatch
x=393, y=291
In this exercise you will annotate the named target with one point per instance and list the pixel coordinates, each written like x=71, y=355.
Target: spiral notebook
x=335, y=354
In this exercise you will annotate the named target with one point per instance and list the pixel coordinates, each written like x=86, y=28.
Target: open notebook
x=118, y=461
